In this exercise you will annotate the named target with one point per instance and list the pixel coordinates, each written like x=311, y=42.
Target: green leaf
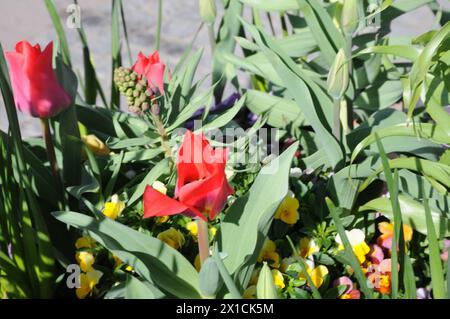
x=412, y=213
x=152, y=259
x=51, y=8
x=437, y=274
x=249, y=218
x=350, y=255
x=305, y=92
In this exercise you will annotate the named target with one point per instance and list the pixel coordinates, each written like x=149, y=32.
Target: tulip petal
x=157, y=204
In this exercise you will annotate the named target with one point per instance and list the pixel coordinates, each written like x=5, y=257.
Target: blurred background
x=29, y=20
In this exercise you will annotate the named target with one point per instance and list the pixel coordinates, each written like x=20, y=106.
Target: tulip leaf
x=249, y=218
x=412, y=213
x=152, y=259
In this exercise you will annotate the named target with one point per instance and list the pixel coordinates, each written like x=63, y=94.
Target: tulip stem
x=52, y=157
x=203, y=240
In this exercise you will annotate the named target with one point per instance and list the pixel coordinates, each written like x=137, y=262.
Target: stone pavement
x=28, y=19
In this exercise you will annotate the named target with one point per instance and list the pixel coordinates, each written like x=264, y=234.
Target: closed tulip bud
x=96, y=145
x=265, y=288
x=36, y=89
x=350, y=17
x=208, y=11
x=338, y=76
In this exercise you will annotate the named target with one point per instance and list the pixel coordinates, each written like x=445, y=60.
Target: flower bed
x=326, y=177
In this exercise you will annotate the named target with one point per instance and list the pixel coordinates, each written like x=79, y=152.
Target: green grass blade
x=51, y=8
x=354, y=263
x=116, y=50
x=437, y=274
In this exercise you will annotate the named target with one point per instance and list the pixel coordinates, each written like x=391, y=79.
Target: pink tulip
x=35, y=87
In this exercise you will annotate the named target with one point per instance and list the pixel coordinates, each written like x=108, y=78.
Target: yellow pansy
x=119, y=262
x=96, y=145
x=162, y=219
x=250, y=292
x=85, y=242
x=212, y=231
x=356, y=238
x=317, y=274
x=192, y=228
x=87, y=283
x=172, y=237
x=85, y=259
x=278, y=278
x=307, y=247
x=160, y=187
x=268, y=253
x=288, y=210
x=114, y=208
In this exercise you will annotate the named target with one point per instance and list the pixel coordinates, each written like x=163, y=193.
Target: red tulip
x=202, y=187
x=152, y=68
x=33, y=80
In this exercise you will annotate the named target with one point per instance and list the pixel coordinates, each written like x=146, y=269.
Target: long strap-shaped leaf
x=41, y=261
x=301, y=88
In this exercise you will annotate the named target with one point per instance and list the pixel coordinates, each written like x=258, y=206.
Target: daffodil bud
x=208, y=11
x=349, y=17
x=265, y=288
x=337, y=81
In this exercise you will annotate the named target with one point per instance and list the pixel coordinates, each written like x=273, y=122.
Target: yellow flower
x=160, y=187
x=192, y=228
x=85, y=259
x=114, y=208
x=96, y=145
x=356, y=238
x=119, y=262
x=318, y=274
x=250, y=292
x=162, y=219
x=268, y=253
x=85, y=242
x=87, y=283
x=172, y=237
x=212, y=231
x=308, y=247
x=278, y=278
x=288, y=210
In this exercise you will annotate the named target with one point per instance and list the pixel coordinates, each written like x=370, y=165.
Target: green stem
x=203, y=240
x=52, y=157
x=337, y=119
x=158, y=26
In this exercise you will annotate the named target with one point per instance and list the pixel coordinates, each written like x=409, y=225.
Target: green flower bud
x=338, y=76
x=350, y=17
x=208, y=11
